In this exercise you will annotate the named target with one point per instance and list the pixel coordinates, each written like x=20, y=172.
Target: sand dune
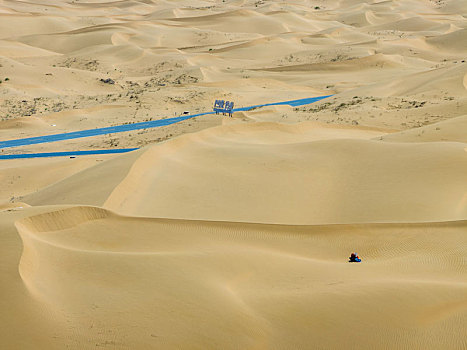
x=104, y=178
x=31, y=24
x=167, y=180
x=20, y=179
x=234, y=232
x=83, y=251
x=442, y=80
x=449, y=130
x=328, y=180
x=449, y=41
x=16, y=49
x=413, y=24
x=377, y=61
x=243, y=21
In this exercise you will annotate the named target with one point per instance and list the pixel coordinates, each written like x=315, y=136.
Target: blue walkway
x=293, y=103
x=122, y=128
x=93, y=132
x=138, y=126
x=65, y=154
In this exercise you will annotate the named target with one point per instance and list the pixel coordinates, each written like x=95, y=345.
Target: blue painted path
x=93, y=132
x=122, y=128
x=69, y=153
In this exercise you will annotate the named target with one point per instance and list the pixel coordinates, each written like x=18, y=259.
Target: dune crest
x=55, y=221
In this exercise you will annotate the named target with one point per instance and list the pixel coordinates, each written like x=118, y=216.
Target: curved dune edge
x=13, y=206
x=62, y=219
x=92, y=186
x=236, y=173
x=253, y=281
x=75, y=217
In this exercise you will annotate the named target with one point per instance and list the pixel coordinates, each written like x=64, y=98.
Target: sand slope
x=228, y=173
x=449, y=130
x=170, y=282
x=133, y=282
x=329, y=181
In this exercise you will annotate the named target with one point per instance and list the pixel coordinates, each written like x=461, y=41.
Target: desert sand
x=234, y=233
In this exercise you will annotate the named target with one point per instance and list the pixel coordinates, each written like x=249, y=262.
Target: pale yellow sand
x=234, y=233
x=90, y=278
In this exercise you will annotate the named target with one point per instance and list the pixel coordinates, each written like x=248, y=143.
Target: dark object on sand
x=108, y=81
x=354, y=258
